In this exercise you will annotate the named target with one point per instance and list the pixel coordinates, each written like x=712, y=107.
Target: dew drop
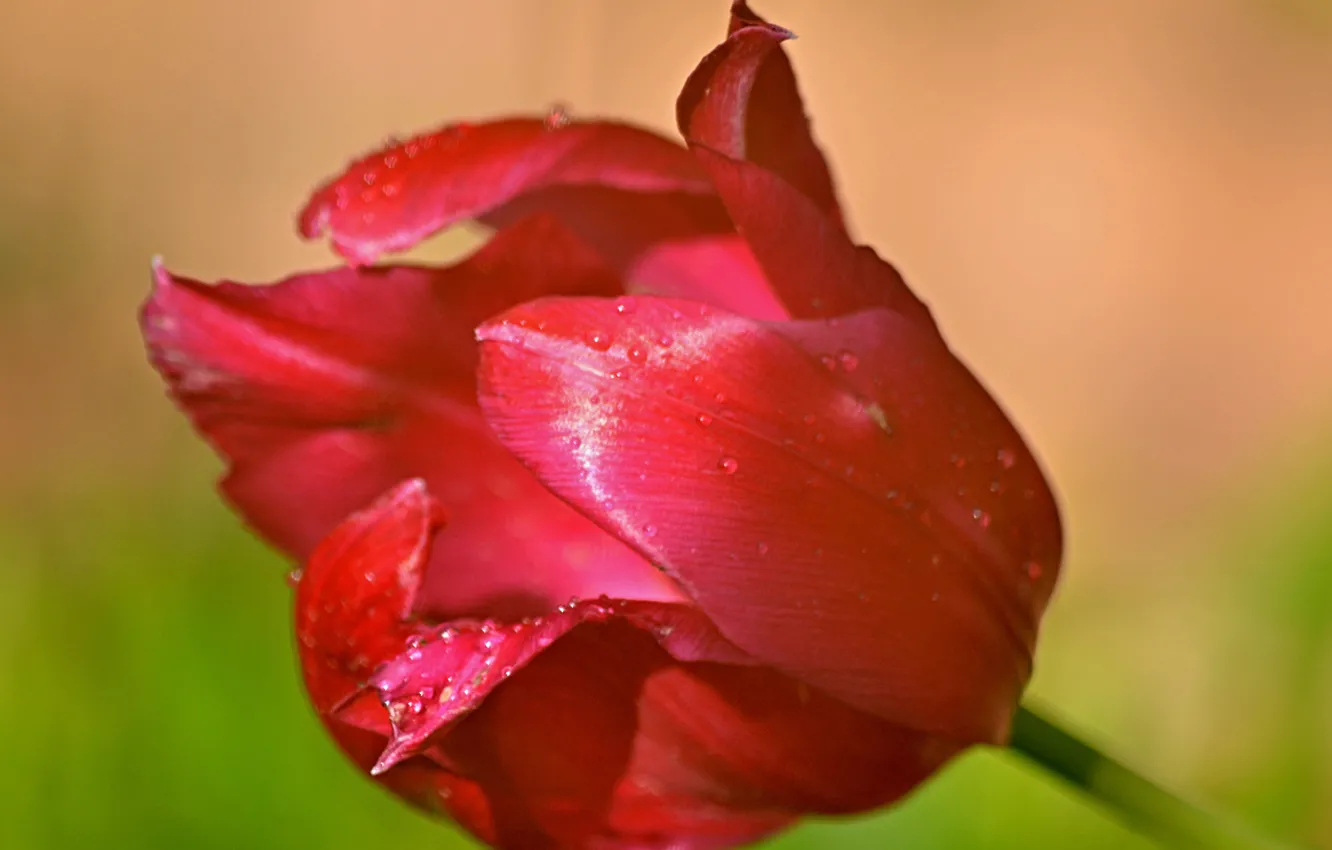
x=720, y=398
x=1034, y=570
x=1006, y=458
x=294, y=577
x=650, y=531
x=637, y=355
x=820, y=438
x=762, y=548
x=848, y=360
x=665, y=340
x=829, y=362
x=705, y=419
x=981, y=517
x=598, y=340
x=557, y=117
x=728, y=465
x=624, y=308
x=808, y=419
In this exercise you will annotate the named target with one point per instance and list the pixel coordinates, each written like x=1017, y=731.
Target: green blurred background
x=1120, y=211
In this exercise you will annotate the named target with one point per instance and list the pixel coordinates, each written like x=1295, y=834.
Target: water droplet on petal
x=637, y=355
x=1006, y=458
x=705, y=419
x=665, y=340
x=762, y=548
x=294, y=577
x=598, y=340
x=1034, y=570
x=848, y=360
x=728, y=465
x=557, y=118
x=829, y=362
x=981, y=517
x=650, y=531
x=808, y=419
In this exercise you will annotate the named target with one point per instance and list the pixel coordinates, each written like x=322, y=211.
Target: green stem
x=1143, y=805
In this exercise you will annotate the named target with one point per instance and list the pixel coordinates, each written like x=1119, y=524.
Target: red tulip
x=811, y=550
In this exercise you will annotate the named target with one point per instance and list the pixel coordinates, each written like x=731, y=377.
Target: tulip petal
x=325, y=389
x=865, y=519
x=393, y=198
x=805, y=255
x=742, y=101
x=605, y=723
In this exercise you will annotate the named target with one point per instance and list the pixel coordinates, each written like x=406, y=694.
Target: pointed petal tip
x=743, y=17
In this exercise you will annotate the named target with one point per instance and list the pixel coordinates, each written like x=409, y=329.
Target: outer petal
x=596, y=725
x=865, y=518
x=393, y=198
x=325, y=389
x=742, y=101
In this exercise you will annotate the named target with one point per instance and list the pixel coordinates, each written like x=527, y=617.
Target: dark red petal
x=806, y=256
x=393, y=198
x=742, y=101
x=601, y=724
x=326, y=389
x=864, y=518
x=605, y=740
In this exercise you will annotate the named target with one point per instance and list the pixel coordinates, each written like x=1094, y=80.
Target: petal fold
x=842, y=498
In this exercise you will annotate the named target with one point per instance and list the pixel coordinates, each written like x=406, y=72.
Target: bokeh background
x=1120, y=210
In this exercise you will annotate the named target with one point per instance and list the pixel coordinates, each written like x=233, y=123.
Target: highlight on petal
x=602, y=723
x=865, y=519
x=393, y=198
x=324, y=390
x=742, y=101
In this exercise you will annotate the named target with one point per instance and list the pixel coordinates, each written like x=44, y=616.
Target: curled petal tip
x=743, y=17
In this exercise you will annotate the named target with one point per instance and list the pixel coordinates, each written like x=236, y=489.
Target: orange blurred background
x=1120, y=213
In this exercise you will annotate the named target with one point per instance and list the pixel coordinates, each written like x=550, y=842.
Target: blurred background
x=1120, y=211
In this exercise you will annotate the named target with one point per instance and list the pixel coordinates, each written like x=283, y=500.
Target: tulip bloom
x=662, y=520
